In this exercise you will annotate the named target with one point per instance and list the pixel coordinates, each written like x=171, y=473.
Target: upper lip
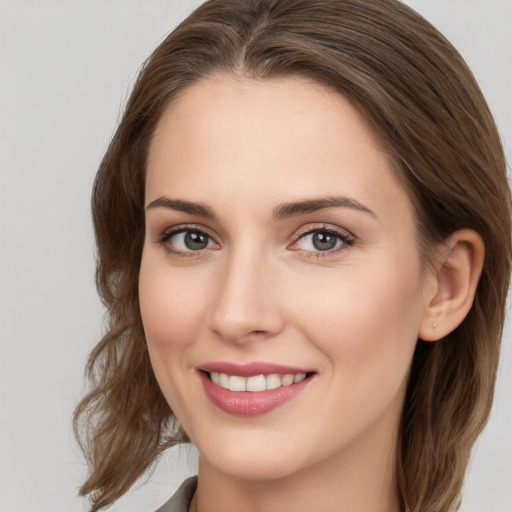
x=250, y=369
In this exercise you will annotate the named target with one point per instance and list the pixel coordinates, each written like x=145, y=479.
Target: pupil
x=324, y=241
x=196, y=241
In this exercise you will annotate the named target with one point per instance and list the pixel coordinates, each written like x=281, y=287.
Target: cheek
x=170, y=311
x=366, y=326
x=170, y=307
x=365, y=318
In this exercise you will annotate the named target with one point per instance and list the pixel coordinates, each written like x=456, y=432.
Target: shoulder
x=180, y=501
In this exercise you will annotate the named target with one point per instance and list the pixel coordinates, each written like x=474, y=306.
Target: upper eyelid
x=180, y=228
x=324, y=227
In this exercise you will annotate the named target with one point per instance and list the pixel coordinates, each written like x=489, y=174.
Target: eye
x=324, y=239
x=187, y=240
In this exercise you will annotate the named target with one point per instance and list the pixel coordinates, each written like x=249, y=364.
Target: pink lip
x=251, y=369
x=247, y=403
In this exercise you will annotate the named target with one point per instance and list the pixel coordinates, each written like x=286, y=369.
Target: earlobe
x=455, y=278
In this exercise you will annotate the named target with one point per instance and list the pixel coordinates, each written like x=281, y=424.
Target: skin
x=260, y=291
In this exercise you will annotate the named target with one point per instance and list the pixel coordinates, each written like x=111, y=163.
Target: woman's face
x=278, y=242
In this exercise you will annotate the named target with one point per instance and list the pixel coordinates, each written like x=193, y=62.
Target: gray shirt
x=180, y=501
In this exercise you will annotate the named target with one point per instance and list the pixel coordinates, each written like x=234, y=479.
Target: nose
x=246, y=306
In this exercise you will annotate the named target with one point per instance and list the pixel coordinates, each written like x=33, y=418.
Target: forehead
x=275, y=140
x=224, y=111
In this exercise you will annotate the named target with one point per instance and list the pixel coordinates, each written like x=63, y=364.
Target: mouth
x=252, y=389
x=255, y=383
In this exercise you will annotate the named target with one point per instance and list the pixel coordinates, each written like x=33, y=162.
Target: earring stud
x=434, y=325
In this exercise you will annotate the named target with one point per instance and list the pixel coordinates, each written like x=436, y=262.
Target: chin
x=255, y=469
x=252, y=461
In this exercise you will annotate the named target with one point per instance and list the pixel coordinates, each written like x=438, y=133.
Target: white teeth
x=224, y=380
x=256, y=382
x=236, y=383
x=287, y=379
x=273, y=381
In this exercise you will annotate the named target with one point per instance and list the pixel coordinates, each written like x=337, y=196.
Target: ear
x=454, y=280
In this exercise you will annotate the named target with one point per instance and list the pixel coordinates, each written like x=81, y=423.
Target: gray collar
x=180, y=501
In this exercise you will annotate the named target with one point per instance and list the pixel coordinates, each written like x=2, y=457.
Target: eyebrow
x=281, y=211
x=182, y=206
x=292, y=209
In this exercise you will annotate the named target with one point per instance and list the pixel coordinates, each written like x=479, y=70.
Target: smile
x=255, y=383
x=252, y=389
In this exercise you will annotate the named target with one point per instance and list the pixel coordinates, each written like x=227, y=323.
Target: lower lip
x=249, y=403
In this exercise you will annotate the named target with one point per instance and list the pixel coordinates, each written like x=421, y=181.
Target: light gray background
x=66, y=69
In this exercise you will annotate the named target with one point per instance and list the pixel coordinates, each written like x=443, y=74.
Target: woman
x=303, y=230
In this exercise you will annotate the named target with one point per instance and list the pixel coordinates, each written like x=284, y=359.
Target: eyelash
x=164, y=238
x=342, y=236
x=346, y=239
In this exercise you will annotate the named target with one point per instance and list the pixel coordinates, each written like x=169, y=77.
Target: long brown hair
x=430, y=116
